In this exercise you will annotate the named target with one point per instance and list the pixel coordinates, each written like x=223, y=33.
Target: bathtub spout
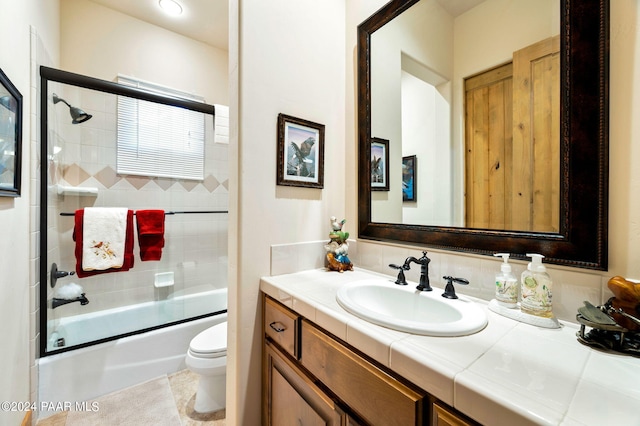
x=55, y=302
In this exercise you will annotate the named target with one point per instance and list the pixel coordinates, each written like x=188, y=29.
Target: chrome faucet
x=424, y=270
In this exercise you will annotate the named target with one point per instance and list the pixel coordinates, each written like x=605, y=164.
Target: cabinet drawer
x=281, y=325
x=443, y=415
x=368, y=390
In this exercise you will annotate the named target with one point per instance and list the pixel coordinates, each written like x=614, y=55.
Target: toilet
x=207, y=357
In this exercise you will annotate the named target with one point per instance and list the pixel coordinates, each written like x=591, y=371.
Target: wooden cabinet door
x=291, y=398
x=512, y=142
x=367, y=390
x=536, y=137
x=488, y=133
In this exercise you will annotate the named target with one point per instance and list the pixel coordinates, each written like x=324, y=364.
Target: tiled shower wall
x=195, y=244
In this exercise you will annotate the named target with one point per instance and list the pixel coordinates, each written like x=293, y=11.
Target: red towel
x=150, y=233
x=128, y=246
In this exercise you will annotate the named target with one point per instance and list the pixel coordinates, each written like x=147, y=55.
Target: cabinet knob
x=277, y=326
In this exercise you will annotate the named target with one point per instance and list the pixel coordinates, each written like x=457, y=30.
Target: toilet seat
x=210, y=343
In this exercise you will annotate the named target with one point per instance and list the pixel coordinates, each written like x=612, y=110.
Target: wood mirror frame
x=584, y=146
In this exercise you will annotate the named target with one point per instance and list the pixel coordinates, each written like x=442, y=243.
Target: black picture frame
x=10, y=138
x=300, y=152
x=409, y=184
x=379, y=164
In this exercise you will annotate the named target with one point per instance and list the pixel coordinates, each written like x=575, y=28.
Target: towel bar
x=168, y=213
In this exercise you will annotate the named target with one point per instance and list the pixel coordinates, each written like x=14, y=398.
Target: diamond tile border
x=75, y=175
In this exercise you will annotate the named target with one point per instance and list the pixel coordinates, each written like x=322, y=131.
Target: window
x=159, y=140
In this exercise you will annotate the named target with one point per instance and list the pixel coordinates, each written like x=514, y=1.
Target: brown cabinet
x=293, y=398
x=281, y=326
x=445, y=416
x=369, y=391
x=312, y=378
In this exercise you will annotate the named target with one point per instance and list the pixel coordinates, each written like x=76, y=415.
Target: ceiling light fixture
x=171, y=7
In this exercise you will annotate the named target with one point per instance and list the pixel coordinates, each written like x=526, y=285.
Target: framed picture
x=300, y=152
x=409, y=178
x=10, y=138
x=379, y=164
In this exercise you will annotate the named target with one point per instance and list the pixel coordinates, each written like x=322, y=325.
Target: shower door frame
x=52, y=74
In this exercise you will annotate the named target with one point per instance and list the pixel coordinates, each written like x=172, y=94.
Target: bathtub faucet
x=55, y=302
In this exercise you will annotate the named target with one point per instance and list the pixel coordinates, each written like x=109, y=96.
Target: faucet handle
x=401, y=280
x=56, y=274
x=449, y=290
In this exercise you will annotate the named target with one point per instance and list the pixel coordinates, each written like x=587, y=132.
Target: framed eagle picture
x=379, y=164
x=300, y=152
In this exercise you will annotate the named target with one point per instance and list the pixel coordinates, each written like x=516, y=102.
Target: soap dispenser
x=506, y=284
x=536, y=288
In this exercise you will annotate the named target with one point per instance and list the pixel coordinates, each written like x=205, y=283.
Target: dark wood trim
x=582, y=240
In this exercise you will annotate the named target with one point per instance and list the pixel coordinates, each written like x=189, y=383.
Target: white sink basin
x=404, y=308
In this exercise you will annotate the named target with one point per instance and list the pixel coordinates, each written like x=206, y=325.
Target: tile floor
x=183, y=387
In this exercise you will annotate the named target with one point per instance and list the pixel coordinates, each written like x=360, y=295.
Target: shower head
x=78, y=116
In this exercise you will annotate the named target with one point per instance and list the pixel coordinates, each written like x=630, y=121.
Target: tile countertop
x=509, y=373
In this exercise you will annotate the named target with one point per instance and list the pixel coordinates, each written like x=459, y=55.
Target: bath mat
x=147, y=404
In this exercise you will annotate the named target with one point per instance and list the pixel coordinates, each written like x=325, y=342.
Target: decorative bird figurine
x=338, y=248
x=335, y=225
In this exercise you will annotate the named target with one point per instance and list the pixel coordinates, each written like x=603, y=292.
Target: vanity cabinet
x=311, y=377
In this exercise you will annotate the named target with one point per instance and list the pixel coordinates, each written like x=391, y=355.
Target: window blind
x=159, y=140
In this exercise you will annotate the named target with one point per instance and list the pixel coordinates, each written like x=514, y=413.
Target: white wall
x=18, y=304
x=426, y=133
x=624, y=139
x=292, y=61
x=391, y=45
x=101, y=42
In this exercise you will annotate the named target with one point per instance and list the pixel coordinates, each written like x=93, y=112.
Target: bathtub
x=86, y=373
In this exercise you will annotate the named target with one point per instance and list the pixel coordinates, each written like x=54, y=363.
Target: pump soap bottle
x=506, y=284
x=536, y=288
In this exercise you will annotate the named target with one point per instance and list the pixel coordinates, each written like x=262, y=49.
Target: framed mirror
x=564, y=218
x=10, y=137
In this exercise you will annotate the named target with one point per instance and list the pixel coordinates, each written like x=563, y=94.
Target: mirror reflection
x=470, y=92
